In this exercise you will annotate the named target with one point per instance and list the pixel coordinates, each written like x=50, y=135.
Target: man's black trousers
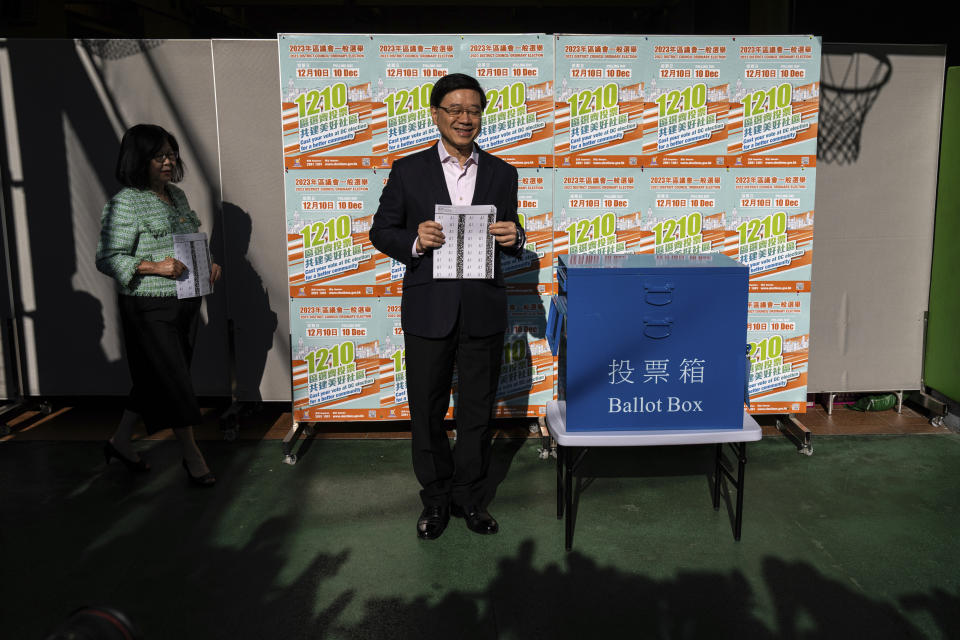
x=456, y=475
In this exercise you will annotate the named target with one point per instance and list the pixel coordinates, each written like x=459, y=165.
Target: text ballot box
x=651, y=341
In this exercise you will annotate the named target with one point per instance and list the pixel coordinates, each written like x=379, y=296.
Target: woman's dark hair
x=140, y=144
x=453, y=82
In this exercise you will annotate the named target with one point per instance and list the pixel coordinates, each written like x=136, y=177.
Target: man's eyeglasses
x=456, y=111
x=172, y=156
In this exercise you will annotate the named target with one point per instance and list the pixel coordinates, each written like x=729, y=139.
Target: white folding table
x=568, y=442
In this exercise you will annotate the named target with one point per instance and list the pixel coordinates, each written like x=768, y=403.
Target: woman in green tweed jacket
x=136, y=249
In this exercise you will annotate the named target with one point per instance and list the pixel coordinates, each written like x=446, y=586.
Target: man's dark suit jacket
x=429, y=307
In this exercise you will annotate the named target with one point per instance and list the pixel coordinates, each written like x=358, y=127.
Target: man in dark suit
x=450, y=321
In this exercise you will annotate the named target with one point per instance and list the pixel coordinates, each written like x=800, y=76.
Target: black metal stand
x=290, y=440
x=797, y=433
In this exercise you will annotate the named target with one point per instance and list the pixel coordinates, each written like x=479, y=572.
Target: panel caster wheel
x=544, y=454
x=290, y=459
x=937, y=422
x=230, y=425
x=46, y=408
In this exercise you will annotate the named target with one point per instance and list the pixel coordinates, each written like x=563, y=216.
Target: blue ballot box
x=651, y=341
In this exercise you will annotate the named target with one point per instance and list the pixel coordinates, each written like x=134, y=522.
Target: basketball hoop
x=849, y=85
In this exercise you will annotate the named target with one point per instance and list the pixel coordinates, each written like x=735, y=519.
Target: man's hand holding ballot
x=430, y=234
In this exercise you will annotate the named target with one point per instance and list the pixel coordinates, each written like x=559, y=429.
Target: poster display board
x=623, y=145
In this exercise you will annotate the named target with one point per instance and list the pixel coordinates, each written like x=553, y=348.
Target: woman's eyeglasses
x=172, y=156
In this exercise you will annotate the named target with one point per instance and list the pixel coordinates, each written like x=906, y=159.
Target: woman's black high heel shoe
x=136, y=466
x=206, y=480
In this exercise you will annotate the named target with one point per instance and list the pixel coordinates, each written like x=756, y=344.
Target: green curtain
x=941, y=367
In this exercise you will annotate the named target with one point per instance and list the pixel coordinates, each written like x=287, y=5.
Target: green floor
x=858, y=540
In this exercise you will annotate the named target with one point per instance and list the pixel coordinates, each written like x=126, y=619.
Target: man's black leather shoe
x=433, y=520
x=478, y=520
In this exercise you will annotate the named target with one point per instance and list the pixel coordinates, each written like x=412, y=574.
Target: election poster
x=393, y=363
x=774, y=101
x=600, y=211
x=599, y=101
x=335, y=359
x=326, y=106
x=388, y=271
x=684, y=211
x=402, y=72
x=328, y=219
x=770, y=227
x=686, y=102
x=526, y=371
x=532, y=272
x=516, y=73
x=778, y=335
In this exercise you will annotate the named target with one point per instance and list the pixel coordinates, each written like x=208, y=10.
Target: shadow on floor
x=243, y=562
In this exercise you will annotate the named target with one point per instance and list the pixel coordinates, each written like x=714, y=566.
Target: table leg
x=568, y=496
x=716, y=477
x=740, y=451
x=561, y=452
x=742, y=463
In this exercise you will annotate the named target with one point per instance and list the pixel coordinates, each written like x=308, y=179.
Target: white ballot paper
x=468, y=250
x=193, y=251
